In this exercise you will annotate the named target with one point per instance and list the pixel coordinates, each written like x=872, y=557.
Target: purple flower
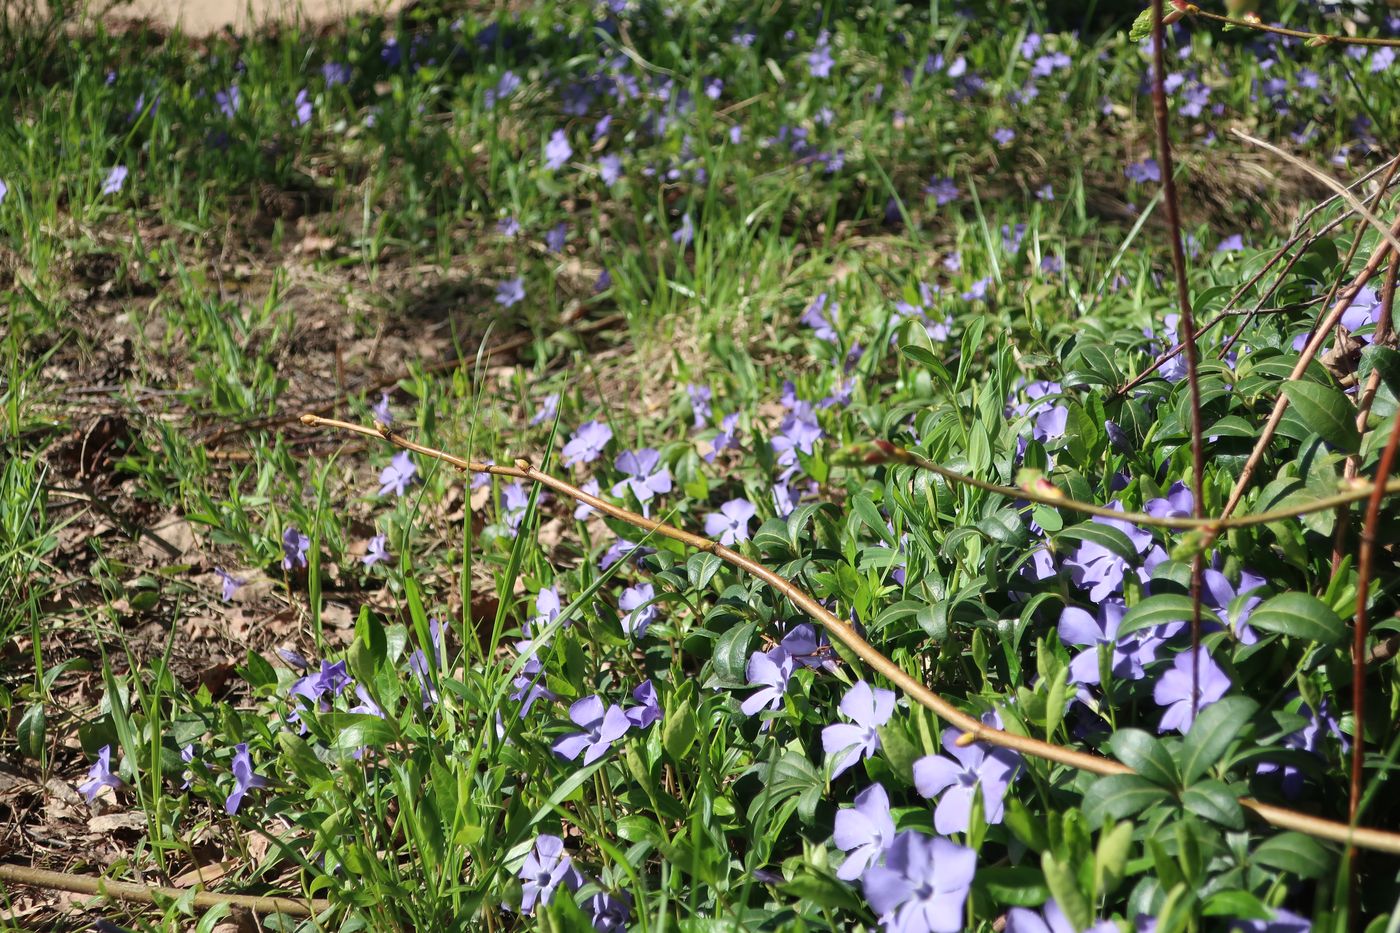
x=731, y=523
x=1099, y=570
x=1219, y=594
x=978, y=291
x=334, y=73
x=556, y=237
x=610, y=169
x=527, y=684
x=229, y=100
x=1144, y=171
x=725, y=439
x=808, y=647
x=397, y=475
x=1381, y=59
x=381, y=410
x=848, y=743
x=1003, y=136
x=1050, y=919
x=557, y=151
x=294, y=547
x=514, y=499
x=636, y=603
x=799, y=433
x=923, y=884
x=302, y=105
x=942, y=190
x=116, y=177
x=643, y=477
x=1011, y=237
x=378, y=550
x=1321, y=723
x=230, y=583
x=622, y=548
x=610, y=913
x=714, y=88
x=1173, y=690
x=584, y=509
x=244, y=778
x=685, y=233
x=819, y=60
x=784, y=500
x=700, y=409
x=820, y=320
x=547, y=410
x=4, y=190
x=366, y=706
x=1078, y=627
x=100, y=775
x=648, y=709
x=863, y=832
x=546, y=867
x=1364, y=310
x=958, y=778
x=768, y=670
x=187, y=756
x=1283, y=922
x=1045, y=193
x=510, y=292
x=587, y=443
x=600, y=129
x=508, y=227
x=601, y=727
x=1231, y=244
x=505, y=87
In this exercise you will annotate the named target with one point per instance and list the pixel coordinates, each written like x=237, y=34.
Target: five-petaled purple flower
x=700, y=396
x=820, y=320
x=546, y=867
x=244, y=778
x=397, y=475
x=587, y=443
x=100, y=775
x=731, y=523
x=602, y=726
x=294, y=548
x=1078, y=627
x=378, y=550
x=819, y=60
x=116, y=177
x=863, y=832
x=557, y=151
x=942, y=190
x=923, y=884
x=958, y=778
x=769, y=671
x=648, y=708
x=1174, y=689
x=846, y=743
x=230, y=583
x=644, y=478
x=547, y=410
x=302, y=106
x=510, y=292
x=1144, y=171
x=636, y=602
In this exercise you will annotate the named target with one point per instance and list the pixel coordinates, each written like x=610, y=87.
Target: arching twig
x=150, y=894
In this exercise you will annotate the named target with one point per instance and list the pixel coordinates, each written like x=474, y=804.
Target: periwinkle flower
x=1099, y=570
x=1045, y=192
x=546, y=867
x=868, y=709
x=1004, y=136
x=583, y=510
x=505, y=87
x=1078, y=627
x=700, y=408
x=229, y=100
x=244, y=778
x=514, y=499
x=4, y=190
x=116, y=178
x=958, y=777
x=187, y=755
x=1050, y=919
x=807, y=646
x=1174, y=692
x=942, y=190
x=602, y=726
x=230, y=583
x=302, y=109
x=646, y=478
x=557, y=151
x=556, y=237
x=819, y=60
x=799, y=433
x=622, y=548
x=587, y=443
x=294, y=548
x=380, y=410
x=863, y=832
x=334, y=73
x=1321, y=723
x=377, y=550
x=725, y=439
x=1219, y=594
x=1231, y=244
x=769, y=671
x=1143, y=172
x=648, y=708
x=817, y=317
x=397, y=475
x=610, y=169
x=923, y=884
x=635, y=602
x=1283, y=921
x=685, y=233
x=731, y=523
x=527, y=684
x=100, y=775
x=547, y=410
x=508, y=227
x=510, y=292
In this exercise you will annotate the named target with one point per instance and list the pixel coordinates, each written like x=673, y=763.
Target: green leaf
x=1215, y=728
x=1300, y=854
x=303, y=761
x=1299, y=615
x=33, y=727
x=1160, y=609
x=1111, y=857
x=1014, y=886
x=824, y=890
x=1142, y=26
x=1146, y=755
x=1238, y=905
x=1106, y=536
x=732, y=653
x=360, y=730
x=1326, y=411
x=701, y=568
x=1063, y=882
x=1213, y=801
x=1026, y=826
x=680, y=728
x=1119, y=796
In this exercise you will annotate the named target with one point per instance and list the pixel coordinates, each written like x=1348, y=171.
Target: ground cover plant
x=748, y=476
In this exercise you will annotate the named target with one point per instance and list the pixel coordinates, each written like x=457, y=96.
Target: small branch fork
x=844, y=632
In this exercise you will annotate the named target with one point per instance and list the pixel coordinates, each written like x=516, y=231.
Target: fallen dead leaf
x=108, y=823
